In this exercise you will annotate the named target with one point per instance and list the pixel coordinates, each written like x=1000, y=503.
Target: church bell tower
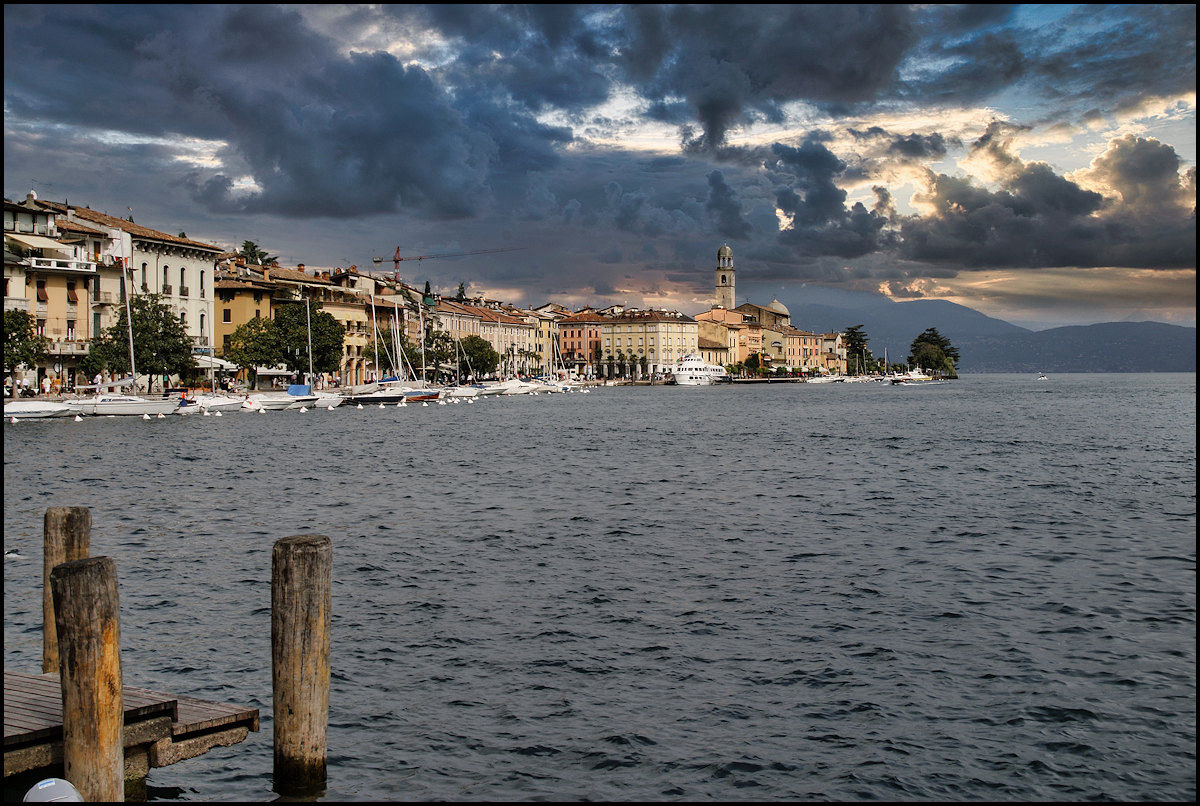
x=724, y=277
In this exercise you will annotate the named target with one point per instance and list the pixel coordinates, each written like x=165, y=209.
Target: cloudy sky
x=1037, y=163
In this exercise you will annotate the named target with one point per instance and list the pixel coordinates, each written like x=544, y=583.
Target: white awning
x=39, y=242
x=271, y=371
x=212, y=362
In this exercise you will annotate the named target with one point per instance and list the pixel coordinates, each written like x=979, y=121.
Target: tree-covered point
x=23, y=345
x=161, y=344
x=932, y=351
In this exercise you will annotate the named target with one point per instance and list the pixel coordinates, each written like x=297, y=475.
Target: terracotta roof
x=64, y=225
x=650, y=316
x=705, y=344
x=583, y=316
x=126, y=225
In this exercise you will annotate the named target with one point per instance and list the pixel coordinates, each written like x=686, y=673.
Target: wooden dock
x=160, y=729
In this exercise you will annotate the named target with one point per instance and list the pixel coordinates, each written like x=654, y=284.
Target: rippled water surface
x=977, y=590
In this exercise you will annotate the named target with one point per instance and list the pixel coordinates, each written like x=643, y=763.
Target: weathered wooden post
x=301, y=594
x=87, y=616
x=66, y=536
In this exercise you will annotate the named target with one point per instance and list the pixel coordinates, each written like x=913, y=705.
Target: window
x=225, y=342
x=143, y=275
x=72, y=297
x=201, y=284
x=41, y=327
x=70, y=328
x=166, y=280
x=41, y=291
x=202, y=324
x=182, y=276
x=226, y=315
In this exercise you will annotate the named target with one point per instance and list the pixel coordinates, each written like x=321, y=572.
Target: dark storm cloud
x=1040, y=219
x=726, y=209
x=319, y=133
x=820, y=223
x=734, y=63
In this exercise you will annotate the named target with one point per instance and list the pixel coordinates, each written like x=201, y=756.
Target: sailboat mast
x=308, y=319
x=128, y=277
x=375, y=333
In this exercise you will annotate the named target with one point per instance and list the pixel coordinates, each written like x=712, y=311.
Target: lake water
x=975, y=590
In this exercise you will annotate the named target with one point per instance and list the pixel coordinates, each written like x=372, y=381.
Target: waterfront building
x=581, y=342
x=832, y=357
x=748, y=330
x=642, y=343
x=510, y=333
x=64, y=275
x=713, y=352
x=179, y=268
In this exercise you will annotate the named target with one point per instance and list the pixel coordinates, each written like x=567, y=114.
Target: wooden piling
x=66, y=536
x=87, y=617
x=301, y=594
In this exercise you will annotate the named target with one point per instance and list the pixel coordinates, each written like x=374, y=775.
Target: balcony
x=166, y=290
x=58, y=265
x=200, y=341
x=106, y=298
x=69, y=347
x=183, y=291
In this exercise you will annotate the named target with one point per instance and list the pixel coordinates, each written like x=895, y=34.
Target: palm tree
x=256, y=256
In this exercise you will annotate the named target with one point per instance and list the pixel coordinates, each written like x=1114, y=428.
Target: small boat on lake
x=35, y=409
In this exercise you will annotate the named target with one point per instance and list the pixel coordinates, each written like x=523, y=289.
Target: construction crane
x=396, y=258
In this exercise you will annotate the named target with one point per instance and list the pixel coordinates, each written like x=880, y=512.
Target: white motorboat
x=223, y=403
x=35, y=409
x=462, y=391
x=329, y=400
x=123, y=405
x=692, y=370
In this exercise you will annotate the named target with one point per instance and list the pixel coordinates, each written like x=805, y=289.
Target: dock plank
x=33, y=723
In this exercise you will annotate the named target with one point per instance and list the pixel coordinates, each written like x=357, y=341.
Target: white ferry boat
x=692, y=370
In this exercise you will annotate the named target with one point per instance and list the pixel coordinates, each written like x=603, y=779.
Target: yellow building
x=647, y=342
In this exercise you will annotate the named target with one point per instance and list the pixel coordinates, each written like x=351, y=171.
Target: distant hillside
x=1108, y=347
x=892, y=324
x=987, y=344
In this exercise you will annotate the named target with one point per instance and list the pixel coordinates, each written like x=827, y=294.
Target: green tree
x=858, y=357
x=290, y=326
x=23, y=345
x=461, y=296
x=253, y=345
x=253, y=254
x=753, y=362
x=933, y=351
x=161, y=344
x=478, y=357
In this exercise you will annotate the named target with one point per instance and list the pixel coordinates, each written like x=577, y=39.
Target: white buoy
x=262, y=411
x=402, y=404
x=360, y=405
x=78, y=419
x=216, y=414
x=424, y=404
x=13, y=420
x=381, y=405
x=161, y=415
x=399, y=403
x=331, y=408
x=207, y=413
x=145, y=416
